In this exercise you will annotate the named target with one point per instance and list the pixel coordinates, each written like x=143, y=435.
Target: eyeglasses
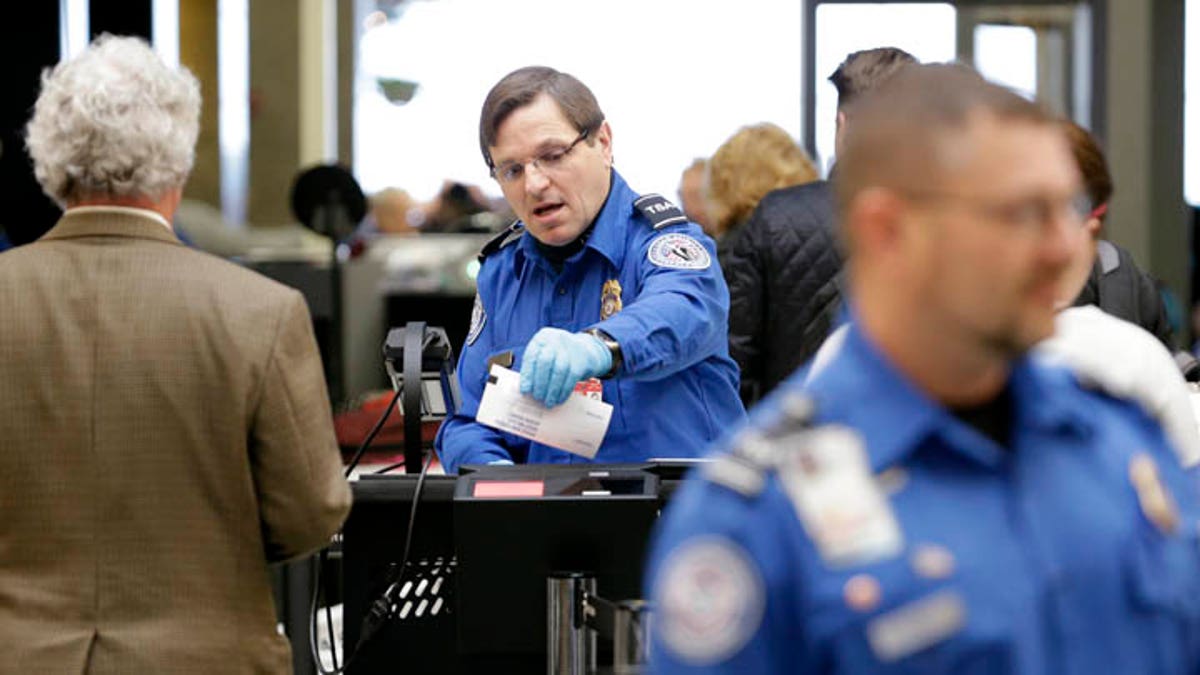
x=1029, y=214
x=551, y=160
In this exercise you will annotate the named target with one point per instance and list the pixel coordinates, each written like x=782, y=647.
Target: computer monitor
x=514, y=526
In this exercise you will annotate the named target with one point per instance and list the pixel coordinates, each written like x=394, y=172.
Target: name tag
x=916, y=626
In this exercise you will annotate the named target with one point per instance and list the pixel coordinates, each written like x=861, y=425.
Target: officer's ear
x=874, y=222
x=603, y=138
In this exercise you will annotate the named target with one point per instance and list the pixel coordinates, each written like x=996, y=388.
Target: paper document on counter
x=577, y=426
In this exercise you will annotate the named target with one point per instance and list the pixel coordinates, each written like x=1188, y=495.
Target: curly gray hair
x=114, y=122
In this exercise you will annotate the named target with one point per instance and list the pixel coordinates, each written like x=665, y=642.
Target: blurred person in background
x=391, y=210
x=1115, y=283
x=754, y=161
x=784, y=269
x=693, y=195
x=1108, y=350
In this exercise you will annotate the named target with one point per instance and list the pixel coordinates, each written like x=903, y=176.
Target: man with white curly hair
x=166, y=430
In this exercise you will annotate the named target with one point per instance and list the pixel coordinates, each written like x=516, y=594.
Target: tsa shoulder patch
x=679, y=251
x=659, y=211
x=710, y=600
x=478, y=319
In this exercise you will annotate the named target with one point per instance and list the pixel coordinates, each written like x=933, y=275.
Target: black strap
x=414, y=344
x=509, y=234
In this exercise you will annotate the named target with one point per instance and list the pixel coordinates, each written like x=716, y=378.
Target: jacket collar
x=110, y=222
x=895, y=418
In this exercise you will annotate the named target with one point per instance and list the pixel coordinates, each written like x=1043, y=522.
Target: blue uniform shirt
x=676, y=390
x=1072, y=552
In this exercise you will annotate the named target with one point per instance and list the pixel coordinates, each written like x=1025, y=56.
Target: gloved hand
x=555, y=360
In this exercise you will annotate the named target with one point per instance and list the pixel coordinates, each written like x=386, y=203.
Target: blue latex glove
x=555, y=360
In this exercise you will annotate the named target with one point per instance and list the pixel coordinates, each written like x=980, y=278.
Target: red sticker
x=591, y=388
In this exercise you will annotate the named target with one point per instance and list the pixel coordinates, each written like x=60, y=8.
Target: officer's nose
x=536, y=178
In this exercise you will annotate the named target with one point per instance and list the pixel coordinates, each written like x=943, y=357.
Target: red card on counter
x=509, y=488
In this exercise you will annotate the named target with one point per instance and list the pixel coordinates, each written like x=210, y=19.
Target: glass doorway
x=1044, y=50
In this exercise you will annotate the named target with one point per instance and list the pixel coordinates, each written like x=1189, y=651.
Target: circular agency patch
x=679, y=251
x=710, y=599
x=478, y=319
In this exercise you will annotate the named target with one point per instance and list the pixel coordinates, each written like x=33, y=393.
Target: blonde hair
x=754, y=161
x=114, y=121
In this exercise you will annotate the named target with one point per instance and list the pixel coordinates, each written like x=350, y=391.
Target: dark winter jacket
x=783, y=269
x=1118, y=287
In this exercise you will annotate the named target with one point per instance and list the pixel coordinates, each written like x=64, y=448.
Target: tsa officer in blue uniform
x=595, y=288
x=934, y=501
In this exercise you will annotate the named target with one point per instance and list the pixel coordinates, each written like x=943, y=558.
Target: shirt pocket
x=1162, y=574
x=1161, y=571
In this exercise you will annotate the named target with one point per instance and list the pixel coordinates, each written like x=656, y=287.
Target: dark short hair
x=1092, y=164
x=900, y=128
x=865, y=70
x=520, y=87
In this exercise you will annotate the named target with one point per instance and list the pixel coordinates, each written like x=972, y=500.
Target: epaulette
x=659, y=211
x=507, y=236
x=758, y=452
x=740, y=470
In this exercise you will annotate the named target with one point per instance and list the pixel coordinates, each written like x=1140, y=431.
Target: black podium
x=483, y=546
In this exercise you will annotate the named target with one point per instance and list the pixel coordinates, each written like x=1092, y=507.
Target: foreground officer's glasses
x=553, y=159
x=1032, y=215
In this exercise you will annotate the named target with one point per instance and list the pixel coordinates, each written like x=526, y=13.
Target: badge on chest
x=610, y=299
x=840, y=504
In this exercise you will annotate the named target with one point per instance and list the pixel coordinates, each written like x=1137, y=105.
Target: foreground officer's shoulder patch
x=478, y=320
x=659, y=211
x=710, y=600
x=679, y=251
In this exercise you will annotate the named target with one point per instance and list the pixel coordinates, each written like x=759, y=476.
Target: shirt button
x=562, y=291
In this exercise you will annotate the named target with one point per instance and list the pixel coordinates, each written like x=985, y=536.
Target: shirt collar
x=895, y=418
x=121, y=210
x=608, y=236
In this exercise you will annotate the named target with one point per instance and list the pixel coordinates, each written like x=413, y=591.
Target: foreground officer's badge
x=1156, y=502
x=610, y=299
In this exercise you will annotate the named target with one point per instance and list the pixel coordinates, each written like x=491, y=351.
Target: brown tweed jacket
x=164, y=434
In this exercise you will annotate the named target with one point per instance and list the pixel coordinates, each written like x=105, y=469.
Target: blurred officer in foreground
x=935, y=501
x=166, y=431
x=593, y=281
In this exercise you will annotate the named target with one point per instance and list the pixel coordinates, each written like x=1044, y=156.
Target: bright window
x=1007, y=55
x=1191, y=111
x=674, y=77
